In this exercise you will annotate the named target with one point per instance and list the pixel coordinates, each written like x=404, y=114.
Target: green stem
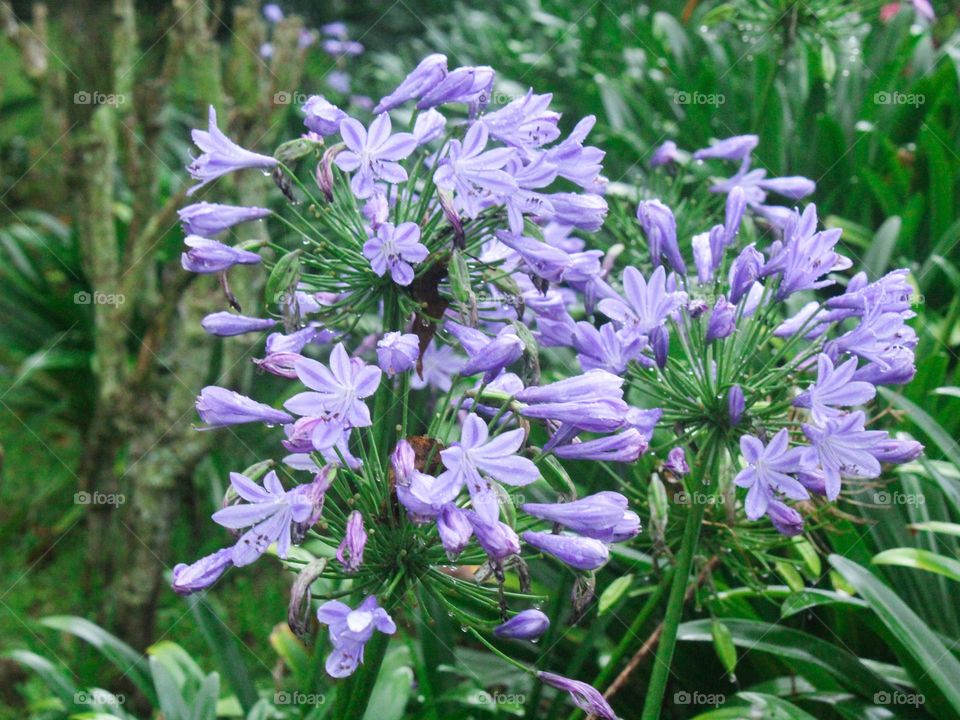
x=671, y=621
x=606, y=675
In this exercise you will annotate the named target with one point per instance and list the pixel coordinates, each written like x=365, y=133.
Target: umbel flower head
x=414, y=278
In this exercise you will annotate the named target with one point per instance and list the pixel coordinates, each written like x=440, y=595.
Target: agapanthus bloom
x=219, y=407
x=477, y=461
x=350, y=631
x=209, y=256
x=372, y=155
x=395, y=249
x=221, y=156
x=206, y=219
x=336, y=394
x=269, y=512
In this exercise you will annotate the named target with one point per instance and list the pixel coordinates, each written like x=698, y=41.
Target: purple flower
x=665, y=154
x=339, y=48
x=470, y=85
x=793, y=187
x=440, y=364
x=703, y=257
x=226, y=324
x=604, y=349
x=395, y=249
x=397, y=352
x=272, y=12
x=269, y=512
x=738, y=147
x=543, y=260
x=835, y=387
x=526, y=625
x=644, y=420
x=660, y=227
x=203, y=573
x=805, y=255
x=896, y=451
x=350, y=630
x=735, y=404
x=722, y=320
x=575, y=162
x=428, y=126
x=206, y=219
x=454, y=528
x=744, y=272
x=647, y=305
x=221, y=156
x=584, y=696
x=625, y=447
x=219, y=407
x=676, y=462
x=295, y=342
x=496, y=459
x=209, y=256
x=891, y=293
x=785, y=519
x=350, y=551
x=487, y=355
x=580, y=553
x=627, y=528
x=595, y=516
x=431, y=70
x=767, y=470
x=592, y=401
x=524, y=123
x=338, y=395
x=475, y=175
x=525, y=201
x=372, y=155
x=885, y=341
x=322, y=116
x=585, y=211
x=337, y=29
x=497, y=539
x=843, y=449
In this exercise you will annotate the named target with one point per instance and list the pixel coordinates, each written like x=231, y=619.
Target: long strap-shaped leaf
x=939, y=666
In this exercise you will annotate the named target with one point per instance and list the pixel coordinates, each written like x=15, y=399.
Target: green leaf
x=937, y=527
x=388, y=700
x=205, y=701
x=293, y=653
x=169, y=693
x=723, y=645
x=614, y=592
x=58, y=682
x=813, y=597
x=793, y=645
x=128, y=660
x=921, y=560
x=283, y=277
x=790, y=575
x=224, y=644
x=881, y=249
x=931, y=427
x=914, y=637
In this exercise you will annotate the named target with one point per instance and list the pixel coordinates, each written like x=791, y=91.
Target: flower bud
x=735, y=404
x=188, y=579
x=676, y=462
x=350, y=552
x=526, y=625
x=298, y=611
x=226, y=324
x=581, y=553
x=454, y=528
